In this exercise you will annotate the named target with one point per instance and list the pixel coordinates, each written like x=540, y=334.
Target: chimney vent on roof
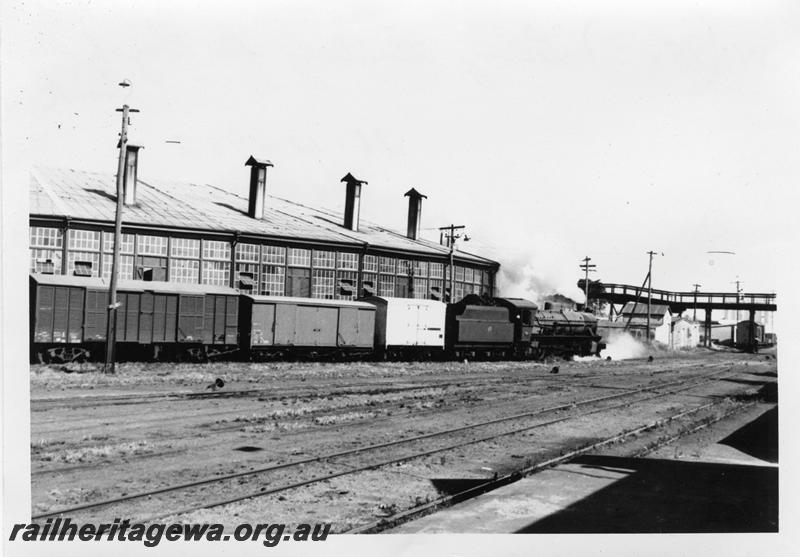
x=352, y=202
x=129, y=181
x=258, y=186
x=414, y=212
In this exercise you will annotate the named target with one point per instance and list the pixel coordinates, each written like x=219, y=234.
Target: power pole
x=738, y=283
x=696, y=290
x=649, y=290
x=587, y=267
x=451, y=236
x=111, y=333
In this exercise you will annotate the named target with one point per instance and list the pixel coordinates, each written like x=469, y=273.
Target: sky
x=552, y=131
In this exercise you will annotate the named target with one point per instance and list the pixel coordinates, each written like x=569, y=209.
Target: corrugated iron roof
x=86, y=195
x=641, y=308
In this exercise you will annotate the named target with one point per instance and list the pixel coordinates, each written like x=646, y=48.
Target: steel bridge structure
x=679, y=302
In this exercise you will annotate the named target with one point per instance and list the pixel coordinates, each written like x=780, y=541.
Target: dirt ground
x=150, y=426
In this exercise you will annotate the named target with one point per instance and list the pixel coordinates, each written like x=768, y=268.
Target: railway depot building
x=201, y=234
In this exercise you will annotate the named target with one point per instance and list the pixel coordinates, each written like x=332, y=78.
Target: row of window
x=264, y=269
x=189, y=248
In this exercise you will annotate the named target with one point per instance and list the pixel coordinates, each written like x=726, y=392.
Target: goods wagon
x=284, y=327
x=408, y=328
x=749, y=335
x=69, y=318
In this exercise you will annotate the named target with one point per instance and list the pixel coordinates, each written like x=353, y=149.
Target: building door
x=298, y=282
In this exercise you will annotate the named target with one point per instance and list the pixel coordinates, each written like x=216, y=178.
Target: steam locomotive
x=173, y=321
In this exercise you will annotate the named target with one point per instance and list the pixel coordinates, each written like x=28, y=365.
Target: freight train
x=174, y=321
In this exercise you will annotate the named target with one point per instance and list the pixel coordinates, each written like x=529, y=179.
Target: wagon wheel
x=64, y=355
x=196, y=354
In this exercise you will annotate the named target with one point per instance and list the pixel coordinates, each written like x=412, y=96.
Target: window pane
x=387, y=265
x=217, y=250
x=216, y=272
x=184, y=270
x=421, y=288
x=151, y=245
x=348, y=261
x=46, y=260
x=125, y=244
x=84, y=240
x=89, y=257
x=125, y=267
x=459, y=287
x=299, y=257
x=275, y=255
x=420, y=268
x=386, y=285
x=251, y=270
x=247, y=253
x=435, y=289
x=436, y=270
x=346, y=285
x=369, y=284
x=324, y=259
x=185, y=247
x=323, y=283
x=370, y=264
x=273, y=280
x=46, y=237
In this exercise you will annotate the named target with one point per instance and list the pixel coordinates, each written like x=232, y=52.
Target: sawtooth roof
x=78, y=194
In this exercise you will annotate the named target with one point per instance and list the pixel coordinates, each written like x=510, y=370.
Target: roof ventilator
x=352, y=201
x=258, y=186
x=129, y=181
x=414, y=212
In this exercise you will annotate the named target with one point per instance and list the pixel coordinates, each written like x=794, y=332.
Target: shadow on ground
x=759, y=438
x=453, y=486
x=668, y=496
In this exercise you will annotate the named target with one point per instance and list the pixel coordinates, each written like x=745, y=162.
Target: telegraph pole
x=111, y=333
x=587, y=267
x=738, y=283
x=696, y=290
x=449, y=232
x=649, y=290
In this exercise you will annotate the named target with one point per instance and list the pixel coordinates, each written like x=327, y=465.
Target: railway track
x=195, y=495
x=278, y=394
x=384, y=524
x=390, y=409
x=321, y=387
x=205, y=432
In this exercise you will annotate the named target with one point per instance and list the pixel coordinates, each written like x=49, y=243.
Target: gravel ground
x=96, y=436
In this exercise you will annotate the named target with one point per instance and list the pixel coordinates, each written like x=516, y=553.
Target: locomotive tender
x=174, y=321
